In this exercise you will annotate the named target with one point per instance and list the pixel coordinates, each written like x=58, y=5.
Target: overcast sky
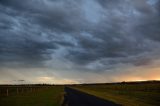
x=79, y=41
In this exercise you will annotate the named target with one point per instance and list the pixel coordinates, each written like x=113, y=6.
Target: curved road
x=77, y=98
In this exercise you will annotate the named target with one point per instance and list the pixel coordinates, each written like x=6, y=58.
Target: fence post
x=22, y=90
x=17, y=91
x=7, y=92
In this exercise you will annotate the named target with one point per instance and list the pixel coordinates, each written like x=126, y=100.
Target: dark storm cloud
x=55, y=15
x=20, y=43
x=104, y=31
x=23, y=51
x=128, y=30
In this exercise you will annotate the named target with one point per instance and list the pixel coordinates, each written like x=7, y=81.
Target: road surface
x=77, y=98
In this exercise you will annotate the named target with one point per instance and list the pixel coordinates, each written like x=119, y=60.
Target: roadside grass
x=126, y=94
x=44, y=97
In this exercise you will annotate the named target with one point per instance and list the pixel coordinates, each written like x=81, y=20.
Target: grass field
x=127, y=94
x=51, y=96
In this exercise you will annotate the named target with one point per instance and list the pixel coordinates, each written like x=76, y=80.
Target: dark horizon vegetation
x=47, y=84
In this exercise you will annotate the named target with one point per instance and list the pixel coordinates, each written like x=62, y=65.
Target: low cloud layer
x=71, y=37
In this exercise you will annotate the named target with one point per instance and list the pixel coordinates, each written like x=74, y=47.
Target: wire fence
x=16, y=90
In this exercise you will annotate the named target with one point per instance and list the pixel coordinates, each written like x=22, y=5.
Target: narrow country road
x=77, y=98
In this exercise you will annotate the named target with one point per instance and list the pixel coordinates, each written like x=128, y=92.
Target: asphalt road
x=77, y=98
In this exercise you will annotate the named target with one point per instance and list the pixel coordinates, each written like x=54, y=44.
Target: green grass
x=126, y=94
x=44, y=97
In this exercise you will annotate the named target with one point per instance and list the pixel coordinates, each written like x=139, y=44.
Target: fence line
x=9, y=90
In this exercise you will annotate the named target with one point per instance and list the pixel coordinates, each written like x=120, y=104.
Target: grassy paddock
x=127, y=94
x=44, y=96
